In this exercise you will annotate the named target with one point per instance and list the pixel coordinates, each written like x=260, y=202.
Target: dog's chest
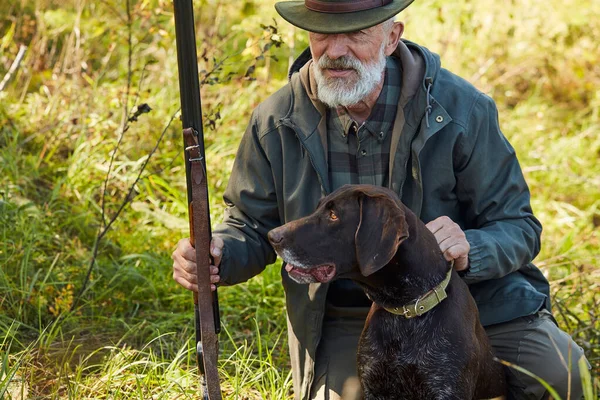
x=408, y=360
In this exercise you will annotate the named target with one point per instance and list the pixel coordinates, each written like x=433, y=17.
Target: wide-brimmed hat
x=339, y=16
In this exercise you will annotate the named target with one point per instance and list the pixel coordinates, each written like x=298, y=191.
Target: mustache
x=344, y=62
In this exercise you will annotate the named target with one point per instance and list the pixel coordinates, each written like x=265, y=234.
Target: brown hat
x=339, y=16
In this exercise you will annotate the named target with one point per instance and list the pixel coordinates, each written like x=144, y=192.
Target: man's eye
x=332, y=215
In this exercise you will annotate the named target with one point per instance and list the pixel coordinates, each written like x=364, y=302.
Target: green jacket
x=450, y=159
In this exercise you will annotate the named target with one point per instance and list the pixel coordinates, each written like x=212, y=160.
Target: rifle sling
x=200, y=234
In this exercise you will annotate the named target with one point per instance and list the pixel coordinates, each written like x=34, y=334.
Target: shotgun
x=206, y=306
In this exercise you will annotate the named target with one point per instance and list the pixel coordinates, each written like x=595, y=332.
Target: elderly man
x=363, y=106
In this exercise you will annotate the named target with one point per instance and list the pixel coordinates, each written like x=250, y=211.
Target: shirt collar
x=383, y=113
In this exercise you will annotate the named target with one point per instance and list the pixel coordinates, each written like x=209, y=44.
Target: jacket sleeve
x=251, y=212
x=503, y=233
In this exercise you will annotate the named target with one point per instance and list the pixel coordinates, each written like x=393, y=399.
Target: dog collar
x=426, y=302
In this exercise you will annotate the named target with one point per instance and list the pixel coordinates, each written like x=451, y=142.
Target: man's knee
x=562, y=373
x=536, y=344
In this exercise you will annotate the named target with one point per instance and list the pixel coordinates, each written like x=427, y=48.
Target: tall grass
x=63, y=113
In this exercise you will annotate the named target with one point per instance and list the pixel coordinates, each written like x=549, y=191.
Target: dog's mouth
x=321, y=273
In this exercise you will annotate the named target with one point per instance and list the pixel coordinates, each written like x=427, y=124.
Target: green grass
x=63, y=113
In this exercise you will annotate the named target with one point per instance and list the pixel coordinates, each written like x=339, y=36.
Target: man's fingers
x=437, y=224
x=459, y=253
x=185, y=271
x=185, y=283
x=461, y=263
x=456, y=251
x=452, y=241
x=457, y=245
x=190, y=280
x=183, y=264
x=443, y=229
x=216, y=244
x=190, y=273
x=190, y=276
x=444, y=238
x=185, y=250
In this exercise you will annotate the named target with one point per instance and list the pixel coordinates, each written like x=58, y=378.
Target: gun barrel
x=206, y=314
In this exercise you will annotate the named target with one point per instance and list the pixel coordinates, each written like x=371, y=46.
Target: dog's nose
x=275, y=235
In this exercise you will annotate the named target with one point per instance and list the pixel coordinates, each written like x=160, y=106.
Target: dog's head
x=357, y=227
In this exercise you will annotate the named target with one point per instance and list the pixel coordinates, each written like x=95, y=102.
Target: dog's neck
x=417, y=267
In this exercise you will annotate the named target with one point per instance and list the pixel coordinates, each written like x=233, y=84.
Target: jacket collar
x=307, y=115
x=306, y=118
x=423, y=104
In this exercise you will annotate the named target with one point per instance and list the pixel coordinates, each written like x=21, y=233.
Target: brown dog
x=417, y=343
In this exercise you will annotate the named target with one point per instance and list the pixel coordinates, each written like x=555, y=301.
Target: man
x=362, y=106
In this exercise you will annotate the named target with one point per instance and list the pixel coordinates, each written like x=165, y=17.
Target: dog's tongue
x=322, y=273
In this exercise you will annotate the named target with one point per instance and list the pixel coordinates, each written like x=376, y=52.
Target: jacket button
x=439, y=118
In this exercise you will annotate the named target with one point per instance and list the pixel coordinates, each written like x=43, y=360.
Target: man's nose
x=337, y=46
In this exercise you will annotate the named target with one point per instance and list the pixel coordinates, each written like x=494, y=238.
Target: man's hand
x=452, y=241
x=184, y=264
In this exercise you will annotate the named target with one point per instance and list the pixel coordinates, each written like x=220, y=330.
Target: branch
x=13, y=68
x=128, y=198
x=208, y=78
x=124, y=121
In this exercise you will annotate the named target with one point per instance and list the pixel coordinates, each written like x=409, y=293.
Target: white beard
x=346, y=92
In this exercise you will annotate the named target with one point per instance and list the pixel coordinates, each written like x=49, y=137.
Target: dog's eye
x=332, y=215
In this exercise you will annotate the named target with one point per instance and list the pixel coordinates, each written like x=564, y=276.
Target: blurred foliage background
x=91, y=176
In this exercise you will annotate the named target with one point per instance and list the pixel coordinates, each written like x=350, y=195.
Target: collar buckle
x=424, y=303
x=415, y=310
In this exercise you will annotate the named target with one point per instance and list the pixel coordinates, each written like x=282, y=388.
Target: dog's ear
x=381, y=229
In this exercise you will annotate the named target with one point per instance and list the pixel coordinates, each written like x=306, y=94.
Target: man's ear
x=393, y=37
x=381, y=229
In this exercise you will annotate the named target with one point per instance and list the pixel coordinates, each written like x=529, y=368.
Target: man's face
x=349, y=66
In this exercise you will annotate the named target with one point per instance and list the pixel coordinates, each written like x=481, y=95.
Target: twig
x=166, y=167
x=128, y=198
x=13, y=68
x=124, y=122
x=129, y=117
x=114, y=10
x=103, y=227
x=137, y=95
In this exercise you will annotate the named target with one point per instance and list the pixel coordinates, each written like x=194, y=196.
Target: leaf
x=586, y=379
x=7, y=38
x=143, y=108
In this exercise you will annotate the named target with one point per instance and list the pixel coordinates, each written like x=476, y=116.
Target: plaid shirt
x=360, y=153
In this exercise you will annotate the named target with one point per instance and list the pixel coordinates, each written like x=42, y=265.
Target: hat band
x=344, y=7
